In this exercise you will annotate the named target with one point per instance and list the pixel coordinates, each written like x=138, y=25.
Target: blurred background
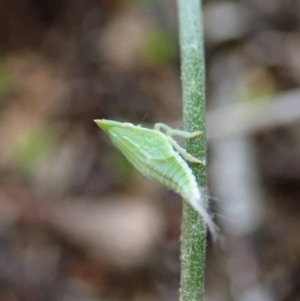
x=76, y=221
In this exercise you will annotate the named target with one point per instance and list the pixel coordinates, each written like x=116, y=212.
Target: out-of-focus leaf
x=5, y=77
x=121, y=166
x=31, y=148
x=159, y=48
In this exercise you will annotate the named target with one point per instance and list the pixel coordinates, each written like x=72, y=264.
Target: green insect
x=156, y=156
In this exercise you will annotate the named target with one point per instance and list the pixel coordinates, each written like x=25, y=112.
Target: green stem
x=193, y=239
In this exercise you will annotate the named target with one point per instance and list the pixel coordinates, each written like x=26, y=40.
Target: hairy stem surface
x=193, y=238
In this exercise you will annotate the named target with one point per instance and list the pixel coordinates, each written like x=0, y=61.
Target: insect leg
x=172, y=132
x=183, y=152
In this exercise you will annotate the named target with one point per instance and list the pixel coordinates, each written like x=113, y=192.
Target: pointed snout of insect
x=103, y=124
x=106, y=125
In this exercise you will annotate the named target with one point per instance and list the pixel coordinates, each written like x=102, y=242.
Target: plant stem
x=193, y=238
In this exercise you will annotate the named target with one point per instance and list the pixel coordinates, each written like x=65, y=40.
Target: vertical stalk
x=193, y=238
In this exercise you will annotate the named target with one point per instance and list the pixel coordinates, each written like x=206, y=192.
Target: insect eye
x=127, y=125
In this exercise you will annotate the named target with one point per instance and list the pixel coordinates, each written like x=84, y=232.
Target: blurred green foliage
x=159, y=48
x=122, y=168
x=5, y=76
x=32, y=148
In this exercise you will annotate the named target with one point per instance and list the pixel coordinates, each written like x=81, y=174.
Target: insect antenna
x=145, y=116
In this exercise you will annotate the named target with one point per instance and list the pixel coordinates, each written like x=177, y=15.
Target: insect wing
x=144, y=148
x=142, y=144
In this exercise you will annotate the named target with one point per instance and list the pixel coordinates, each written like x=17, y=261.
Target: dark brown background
x=76, y=221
